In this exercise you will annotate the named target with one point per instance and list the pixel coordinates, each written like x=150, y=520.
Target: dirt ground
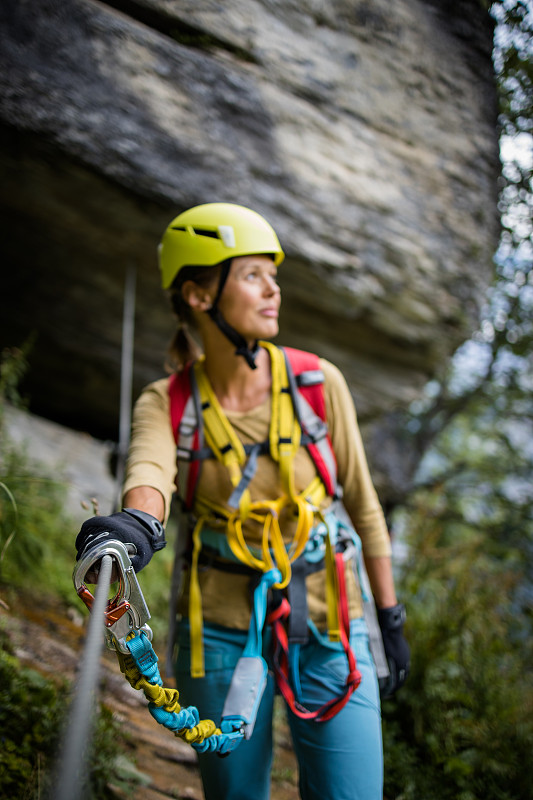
x=50, y=639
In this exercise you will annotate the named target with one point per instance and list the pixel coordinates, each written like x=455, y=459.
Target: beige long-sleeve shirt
x=152, y=462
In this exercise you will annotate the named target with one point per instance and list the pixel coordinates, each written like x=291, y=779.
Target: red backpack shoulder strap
x=187, y=436
x=309, y=378
x=307, y=383
x=179, y=391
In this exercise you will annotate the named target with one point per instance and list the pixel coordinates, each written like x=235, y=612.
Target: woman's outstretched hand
x=142, y=533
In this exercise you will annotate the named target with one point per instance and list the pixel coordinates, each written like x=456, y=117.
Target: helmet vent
x=203, y=232
x=197, y=231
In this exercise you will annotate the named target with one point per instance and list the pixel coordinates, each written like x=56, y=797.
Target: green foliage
x=513, y=63
x=36, y=550
x=33, y=526
x=36, y=535
x=462, y=727
x=32, y=711
x=30, y=717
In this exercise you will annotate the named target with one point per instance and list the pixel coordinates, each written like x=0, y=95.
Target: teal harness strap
x=294, y=669
x=250, y=675
x=254, y=643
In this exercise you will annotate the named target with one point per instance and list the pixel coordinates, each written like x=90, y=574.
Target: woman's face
x=251, y=297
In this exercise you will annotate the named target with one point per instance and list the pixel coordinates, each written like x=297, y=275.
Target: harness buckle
x=350, y=548
x=315, y=549
x=127, y=611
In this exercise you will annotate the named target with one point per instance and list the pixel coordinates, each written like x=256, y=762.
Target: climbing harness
x=297, y=419
x=203, y=430
x=128, y=634
x=297, y=375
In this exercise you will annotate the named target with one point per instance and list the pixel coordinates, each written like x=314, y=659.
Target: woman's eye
x=255, y=274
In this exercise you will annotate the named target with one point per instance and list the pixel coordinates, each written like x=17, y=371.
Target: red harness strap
x=280, y=659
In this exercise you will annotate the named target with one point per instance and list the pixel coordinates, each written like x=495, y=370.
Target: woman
x=252, y=484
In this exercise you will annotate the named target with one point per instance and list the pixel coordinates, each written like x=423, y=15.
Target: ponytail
x=184, y=347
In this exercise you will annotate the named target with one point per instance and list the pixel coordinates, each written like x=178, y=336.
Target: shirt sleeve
x=360, y=497
x=152, y=453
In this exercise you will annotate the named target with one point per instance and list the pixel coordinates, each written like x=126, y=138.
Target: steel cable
x=72, y=766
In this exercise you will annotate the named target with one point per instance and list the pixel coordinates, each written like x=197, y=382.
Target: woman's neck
x=236, y=385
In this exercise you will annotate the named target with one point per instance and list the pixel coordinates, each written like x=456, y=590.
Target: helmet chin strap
x=248, y=353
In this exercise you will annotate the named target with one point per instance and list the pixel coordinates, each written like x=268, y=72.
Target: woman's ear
x=196, y=296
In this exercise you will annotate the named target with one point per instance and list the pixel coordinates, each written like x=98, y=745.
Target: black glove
x=129, y=526
x=391, y=621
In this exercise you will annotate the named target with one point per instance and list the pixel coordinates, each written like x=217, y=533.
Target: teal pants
x=338, y=760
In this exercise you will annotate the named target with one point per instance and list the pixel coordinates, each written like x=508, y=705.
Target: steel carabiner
x=127, y=611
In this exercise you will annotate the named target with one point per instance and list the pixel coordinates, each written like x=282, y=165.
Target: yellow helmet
x=208, y=234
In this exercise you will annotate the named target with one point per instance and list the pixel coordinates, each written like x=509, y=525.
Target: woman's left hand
x=391, y=621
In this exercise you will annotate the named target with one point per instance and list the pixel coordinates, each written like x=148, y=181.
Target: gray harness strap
x=297, y=596
x=369, y=607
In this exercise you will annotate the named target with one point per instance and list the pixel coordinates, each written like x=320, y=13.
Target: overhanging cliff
x=365, y=133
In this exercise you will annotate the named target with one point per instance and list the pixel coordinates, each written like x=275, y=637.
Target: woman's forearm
x=145, y=498
x=381, y=580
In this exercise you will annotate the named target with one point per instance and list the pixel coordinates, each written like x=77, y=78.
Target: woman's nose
x=271, y=285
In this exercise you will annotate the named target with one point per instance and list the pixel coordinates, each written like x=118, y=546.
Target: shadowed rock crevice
x=178, y=29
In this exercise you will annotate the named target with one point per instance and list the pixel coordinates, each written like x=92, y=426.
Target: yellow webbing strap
x=285, y=432
x=220, y=435
x=332, y=591
x=165, y=698
x=195, y=606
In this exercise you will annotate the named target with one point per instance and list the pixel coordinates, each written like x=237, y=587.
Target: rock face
x=364, y=131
